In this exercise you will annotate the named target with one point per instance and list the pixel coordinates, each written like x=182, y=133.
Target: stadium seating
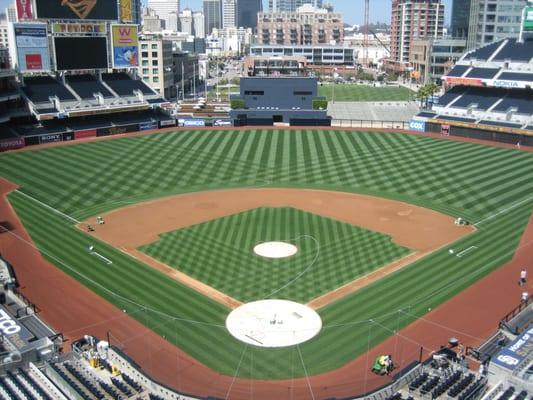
x=458, y=70
x=483, y=53
x=39, y=89
x=123, y=85
x=418, y=381
x=452, y=95
x=486, y=73
x=461, y=385
x=86, y=86
x=521, y=100
x=515, y=51
x=481, y=97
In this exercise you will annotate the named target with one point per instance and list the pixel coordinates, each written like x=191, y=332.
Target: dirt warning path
x=420, y=229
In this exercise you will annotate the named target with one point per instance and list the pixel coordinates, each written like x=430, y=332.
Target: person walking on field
x=525, y=297
x=523, y=276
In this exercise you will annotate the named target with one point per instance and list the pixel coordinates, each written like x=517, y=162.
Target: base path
x=420, y=229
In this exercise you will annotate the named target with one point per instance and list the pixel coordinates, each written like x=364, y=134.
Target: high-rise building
x=212, y=15
x=186, y=21
x=413, y=19
x=155, y=65
x=492, y=20
x=151, y=22
x=306, y=26
x=290, y=5
x=163, y=8
x=229, y=13
x=199, y=24
x=460, y=18
x=247, y=12
x=173, y=22
x=11, y=13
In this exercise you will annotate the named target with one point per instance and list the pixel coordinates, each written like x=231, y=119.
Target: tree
x=425, y=92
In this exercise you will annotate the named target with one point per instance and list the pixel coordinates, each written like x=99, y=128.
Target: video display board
x=125, y=46
x=77, y=9
x=31, y=42
x=80, y=53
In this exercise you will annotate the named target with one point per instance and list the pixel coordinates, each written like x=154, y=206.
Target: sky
x=352, y=9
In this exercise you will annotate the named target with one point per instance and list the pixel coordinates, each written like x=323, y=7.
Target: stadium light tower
x=365, y=33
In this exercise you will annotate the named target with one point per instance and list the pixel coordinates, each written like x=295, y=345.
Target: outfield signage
x=463, y=81
x=126, y=11
x=55, y=137
x=417, y=125
x=24, y=10
x=125, y=46
x=85, y=133
x=516, y=351
x=11, y=144
x=508, y=84
x=31, y=43
x=8, y=327
x=167, y=122
x=79, y=28
x=223, y=122
x=504, y=129
x=191, y=122
x=77, y=9
x=146, y=126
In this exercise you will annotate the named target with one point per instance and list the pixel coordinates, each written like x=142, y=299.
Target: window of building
x=254, y=93
x=146, y=71
x=145, y=63
x=302, y=93
x=144, y=54
x=144, y=46
x=156, y=79
x=154, y=54
x=155, y=63
x=154, y=46
x=154, y=71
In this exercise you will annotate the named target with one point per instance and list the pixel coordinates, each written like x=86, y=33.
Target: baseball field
x=350, y=92
x=63, y=188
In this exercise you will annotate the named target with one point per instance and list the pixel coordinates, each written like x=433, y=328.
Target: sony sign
x=7, y=325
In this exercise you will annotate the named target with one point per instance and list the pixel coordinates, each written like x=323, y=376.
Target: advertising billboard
x=417, y=125
x=77, y=9
x=80, y=53
x=125, y=46
x=528, y=19
x=519, y=349
x=24, y=10
x=79, y=28
x=126, y=10
x=32, y=47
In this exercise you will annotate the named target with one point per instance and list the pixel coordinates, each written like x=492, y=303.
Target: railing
x=513, y=313
x=361, y=123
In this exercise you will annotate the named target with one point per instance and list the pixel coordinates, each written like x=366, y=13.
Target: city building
x=290, y=5
x=431, y=58
x=151, y=22
x=156, y=65
x=315, y=55
x=229, y=13
x=229, y=41
x=11, y=13
x=493, y=20
x=247, y=13
x=307, y=25
x=3, y=32
x=378, y=47
x=460, y=18
x=198, y=21
x=274, y=66
x=413, y=19
x=212, y=15
x=163, y=8
x=186, y=22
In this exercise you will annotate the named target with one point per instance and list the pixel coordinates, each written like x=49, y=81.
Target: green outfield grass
x=330, y=253
x=492, y=186
x=349, y=92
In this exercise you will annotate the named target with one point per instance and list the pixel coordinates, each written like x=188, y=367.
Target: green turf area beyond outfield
x=349, y=92
x=330, y=254
x=489, y=185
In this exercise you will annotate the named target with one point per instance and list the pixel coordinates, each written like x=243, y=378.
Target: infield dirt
x=421, y=229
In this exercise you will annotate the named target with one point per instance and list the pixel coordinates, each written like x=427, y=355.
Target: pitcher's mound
x=273, y=323
x=275, y=249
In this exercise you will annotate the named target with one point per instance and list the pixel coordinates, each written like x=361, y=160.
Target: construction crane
x=365, y=33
